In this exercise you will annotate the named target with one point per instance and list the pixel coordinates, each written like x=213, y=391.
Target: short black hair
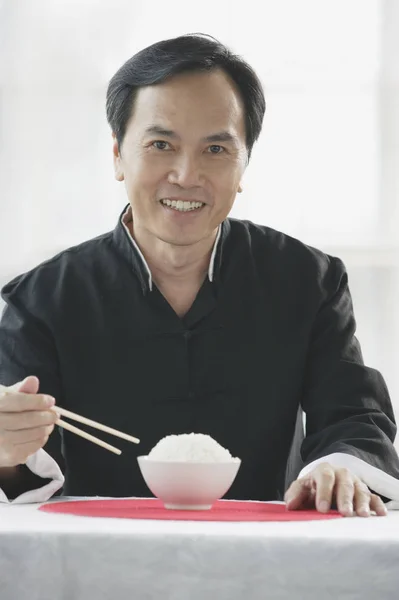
x=191, y=52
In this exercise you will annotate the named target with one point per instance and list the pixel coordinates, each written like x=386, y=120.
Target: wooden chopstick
x=75, y=417
x=87, y=436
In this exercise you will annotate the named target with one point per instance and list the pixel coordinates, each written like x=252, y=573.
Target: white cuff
x=374, y=478
x=44, y=466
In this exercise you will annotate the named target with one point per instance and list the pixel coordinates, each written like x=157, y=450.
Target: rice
x=190, y=447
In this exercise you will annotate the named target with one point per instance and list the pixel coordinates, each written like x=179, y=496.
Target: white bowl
x=188, y=485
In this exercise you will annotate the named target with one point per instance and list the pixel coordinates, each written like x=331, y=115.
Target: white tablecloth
x=52, y=557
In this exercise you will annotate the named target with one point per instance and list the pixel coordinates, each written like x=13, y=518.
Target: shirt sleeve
x=347, y=404
x=45, y=467
x=377, y=480
x=27, y=348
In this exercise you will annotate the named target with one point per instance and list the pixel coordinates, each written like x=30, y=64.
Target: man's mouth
x=182, y=205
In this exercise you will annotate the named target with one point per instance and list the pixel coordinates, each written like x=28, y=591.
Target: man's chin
x=185, y=238
x=181, y=241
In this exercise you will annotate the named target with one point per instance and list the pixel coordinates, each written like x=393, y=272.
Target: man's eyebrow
x=221, y=136
x=157, y=130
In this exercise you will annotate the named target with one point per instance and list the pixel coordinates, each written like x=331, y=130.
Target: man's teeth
x=181, y=205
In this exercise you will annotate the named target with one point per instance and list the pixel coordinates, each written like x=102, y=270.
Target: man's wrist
x=17, y=480
x=7, y=473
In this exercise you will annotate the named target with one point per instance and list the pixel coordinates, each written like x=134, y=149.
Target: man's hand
x=26, y=421
x=327, y=484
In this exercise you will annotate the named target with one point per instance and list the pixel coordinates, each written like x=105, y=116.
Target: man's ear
x=118, y=169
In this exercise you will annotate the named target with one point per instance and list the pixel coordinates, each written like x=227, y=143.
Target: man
x=184, y=320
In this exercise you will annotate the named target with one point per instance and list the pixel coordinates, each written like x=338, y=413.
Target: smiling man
x=182, y=156
x=182, y=319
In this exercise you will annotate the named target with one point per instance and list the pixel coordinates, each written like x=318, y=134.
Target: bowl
x=188, y=485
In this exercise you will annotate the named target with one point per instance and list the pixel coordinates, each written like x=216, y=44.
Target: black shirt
x=274, y=330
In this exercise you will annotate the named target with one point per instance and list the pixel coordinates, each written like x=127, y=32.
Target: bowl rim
x=233, y=461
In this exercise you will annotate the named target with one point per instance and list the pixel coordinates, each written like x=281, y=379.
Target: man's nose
x=186, y=172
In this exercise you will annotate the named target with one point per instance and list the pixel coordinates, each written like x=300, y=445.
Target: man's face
x=184, y=144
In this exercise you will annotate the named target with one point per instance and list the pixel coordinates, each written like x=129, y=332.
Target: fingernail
x=323, y=506
x=49, y=401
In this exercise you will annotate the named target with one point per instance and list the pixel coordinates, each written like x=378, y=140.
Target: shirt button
x=191, y=395
x=187, y=335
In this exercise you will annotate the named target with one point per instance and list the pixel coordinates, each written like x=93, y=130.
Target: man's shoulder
x=266, y=240
x=77, y=260
x=283, y=258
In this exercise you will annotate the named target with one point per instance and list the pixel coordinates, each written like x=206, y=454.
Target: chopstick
x=87, y=436
x=75, y=417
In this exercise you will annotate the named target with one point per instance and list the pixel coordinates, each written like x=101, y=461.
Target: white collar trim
x=126, y=217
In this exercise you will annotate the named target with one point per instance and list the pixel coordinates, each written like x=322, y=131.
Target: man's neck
x=174, y=265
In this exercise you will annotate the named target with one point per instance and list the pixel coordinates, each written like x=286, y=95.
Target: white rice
x=190, y=447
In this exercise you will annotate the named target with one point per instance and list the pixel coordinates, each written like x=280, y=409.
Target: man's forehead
x=220, y=93
x=165, y=108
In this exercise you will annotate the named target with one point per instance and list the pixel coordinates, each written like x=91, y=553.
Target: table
x=62, y=557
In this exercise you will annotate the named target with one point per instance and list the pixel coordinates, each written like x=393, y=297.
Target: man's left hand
x=327, y=484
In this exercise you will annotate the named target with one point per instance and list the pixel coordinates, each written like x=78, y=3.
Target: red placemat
x=223, y=510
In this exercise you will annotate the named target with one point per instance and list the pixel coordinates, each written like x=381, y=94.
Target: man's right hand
x=26, y=421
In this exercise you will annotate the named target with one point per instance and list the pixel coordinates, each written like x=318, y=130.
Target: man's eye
x=215, y=149
x=159, y=145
